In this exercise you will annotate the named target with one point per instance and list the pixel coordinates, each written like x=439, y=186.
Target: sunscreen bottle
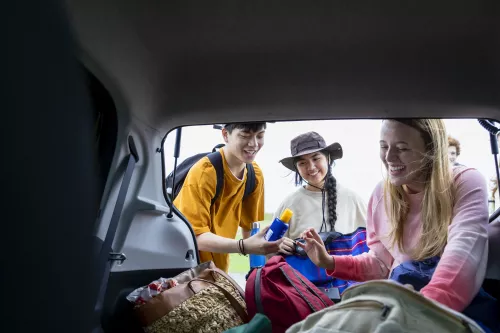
x=279, y=226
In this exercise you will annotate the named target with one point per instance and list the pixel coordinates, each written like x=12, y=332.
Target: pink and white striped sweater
x=462, y=267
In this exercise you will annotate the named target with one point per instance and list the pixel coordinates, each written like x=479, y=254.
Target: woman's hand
x=287, y=246
x=315, y=248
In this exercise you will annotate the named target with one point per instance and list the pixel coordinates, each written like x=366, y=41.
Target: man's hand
x=258, y=245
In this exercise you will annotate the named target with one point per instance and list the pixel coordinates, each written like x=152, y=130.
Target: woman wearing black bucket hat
x=320, y=203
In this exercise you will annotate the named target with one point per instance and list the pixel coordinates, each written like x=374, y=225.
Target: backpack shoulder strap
x=250, y=183
x=258, y=293
x=219, y=146
x=216, y=160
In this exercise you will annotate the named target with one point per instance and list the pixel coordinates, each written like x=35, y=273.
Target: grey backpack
x=385, y=306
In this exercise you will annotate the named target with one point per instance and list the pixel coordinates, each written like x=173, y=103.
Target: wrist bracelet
x=241, y=247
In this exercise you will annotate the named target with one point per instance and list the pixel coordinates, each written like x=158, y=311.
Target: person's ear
x=225, y=135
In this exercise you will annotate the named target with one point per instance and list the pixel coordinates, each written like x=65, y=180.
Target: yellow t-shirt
x=228, y=211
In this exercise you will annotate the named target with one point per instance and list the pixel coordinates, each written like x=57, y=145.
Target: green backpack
x=259, y=324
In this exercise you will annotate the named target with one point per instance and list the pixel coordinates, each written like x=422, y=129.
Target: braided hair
x=331, y=197
x=329, y=194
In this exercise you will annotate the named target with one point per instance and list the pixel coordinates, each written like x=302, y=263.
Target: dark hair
x=330, y=187
x=250, y=127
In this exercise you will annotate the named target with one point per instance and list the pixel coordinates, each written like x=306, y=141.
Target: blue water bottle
x=256, y=260
x=279, y=226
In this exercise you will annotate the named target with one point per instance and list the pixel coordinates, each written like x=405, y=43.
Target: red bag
x=288, y=296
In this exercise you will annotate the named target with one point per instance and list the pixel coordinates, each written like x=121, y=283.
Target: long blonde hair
x=438, y=200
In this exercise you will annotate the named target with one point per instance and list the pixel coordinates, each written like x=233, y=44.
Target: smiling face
x=243, y=144
x=313, y=168
x=402, y=150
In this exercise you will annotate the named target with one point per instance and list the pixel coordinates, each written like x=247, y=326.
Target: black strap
x=219, y=146
x=258, y=295
x=216, y=160
x=106, y=249
x=250, y=183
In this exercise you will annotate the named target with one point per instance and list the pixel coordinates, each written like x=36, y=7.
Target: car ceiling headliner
x=171, y=63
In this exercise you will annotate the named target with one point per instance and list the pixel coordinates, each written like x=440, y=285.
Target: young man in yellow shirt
x=215, y=225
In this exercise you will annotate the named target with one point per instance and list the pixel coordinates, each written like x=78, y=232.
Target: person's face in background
x=452, y=154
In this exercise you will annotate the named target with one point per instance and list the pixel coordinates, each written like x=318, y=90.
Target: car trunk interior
x=152, y=66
